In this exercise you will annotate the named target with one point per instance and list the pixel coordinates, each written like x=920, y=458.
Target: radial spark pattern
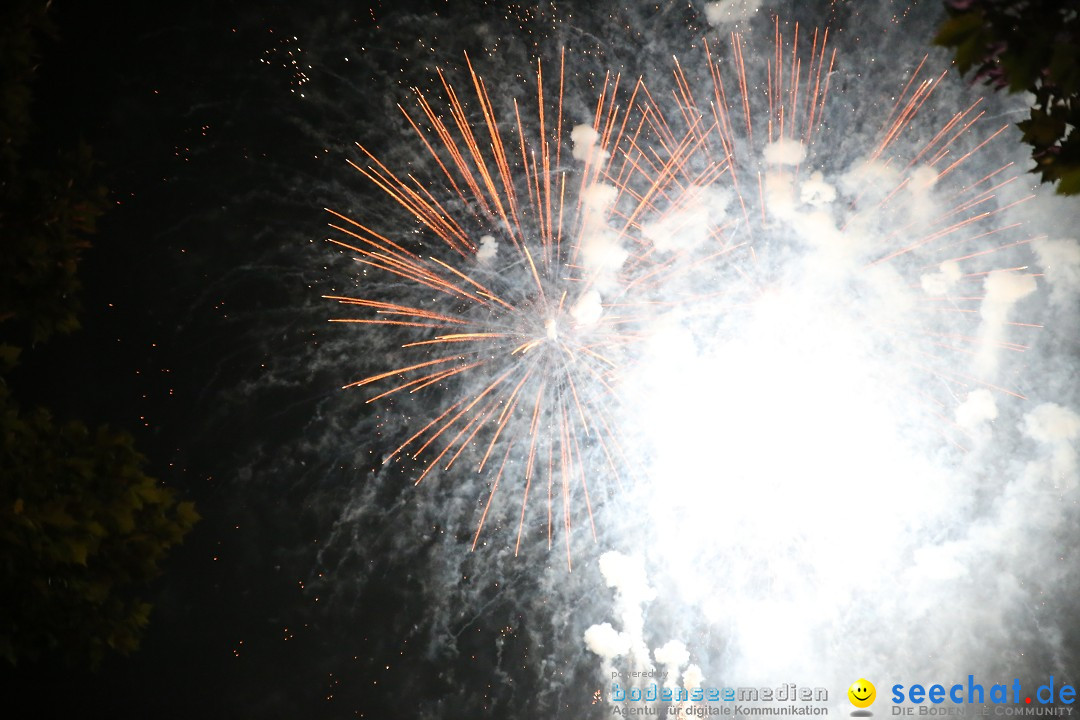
x=540, y=286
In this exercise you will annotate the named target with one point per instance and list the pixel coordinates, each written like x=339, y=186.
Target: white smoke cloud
x=693, y=677
x=672, y=656
x=606, y=641
x=1004, y=288
x=489, y=248
x=942, y=282
x=597, y=198
x=727, y=12
x=869, y=180
x=1060, y=260
x=978, y=408
x=585, y=144
x=632, y=592
x=815, y=191
x=922, y=180
x=687, y=226
x=1057, y=428
x=785, y=151
x=779, y=189
x=588, y=309
x=601, y=252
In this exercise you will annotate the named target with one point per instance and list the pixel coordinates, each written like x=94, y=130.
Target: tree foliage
x=82, y=527
x=1027, y=46
x=49, y=203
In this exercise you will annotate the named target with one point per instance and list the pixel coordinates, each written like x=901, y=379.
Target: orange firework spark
x=546, y=349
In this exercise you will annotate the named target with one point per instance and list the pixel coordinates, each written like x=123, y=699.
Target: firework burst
x=552, y=259
x=539, y=287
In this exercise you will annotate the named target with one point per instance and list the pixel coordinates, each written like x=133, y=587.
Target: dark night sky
x=190, y=294
x=204, y=334
x=184, y=120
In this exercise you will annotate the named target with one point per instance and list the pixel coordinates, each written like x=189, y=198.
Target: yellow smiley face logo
x=862, y=693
